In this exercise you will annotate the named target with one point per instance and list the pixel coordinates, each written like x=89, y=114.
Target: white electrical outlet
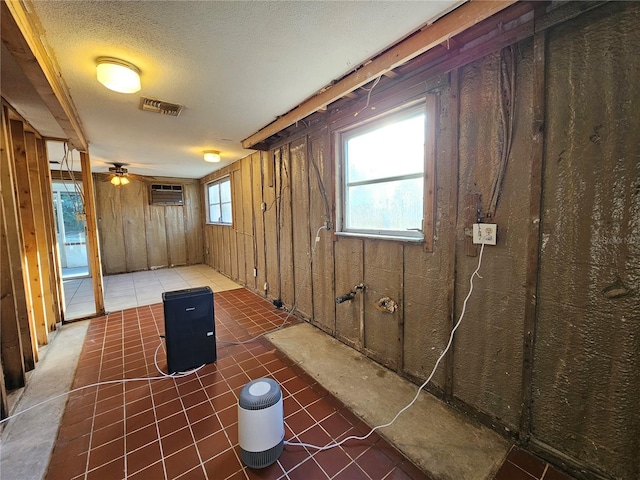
x=485, y=233
x=255, y=272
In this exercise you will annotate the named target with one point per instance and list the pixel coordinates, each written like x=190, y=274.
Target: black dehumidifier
x=189, y=328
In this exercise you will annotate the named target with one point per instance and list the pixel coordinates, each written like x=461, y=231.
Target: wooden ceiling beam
x=453, y=23
x=23, y=41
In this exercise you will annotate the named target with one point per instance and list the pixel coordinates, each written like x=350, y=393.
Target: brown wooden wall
x=31, y=290
x=548, y=350
x=135, y=235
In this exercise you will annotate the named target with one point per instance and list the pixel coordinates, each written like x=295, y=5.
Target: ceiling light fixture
x=119, y=180
x=118, y=75
x=211, y=156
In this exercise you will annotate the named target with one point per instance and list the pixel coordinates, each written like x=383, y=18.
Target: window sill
x=220, y=224
x=380, y=237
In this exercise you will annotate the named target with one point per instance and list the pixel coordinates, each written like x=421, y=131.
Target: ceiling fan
x=119, y=174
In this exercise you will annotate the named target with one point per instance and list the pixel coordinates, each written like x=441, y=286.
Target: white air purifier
x=260, y=423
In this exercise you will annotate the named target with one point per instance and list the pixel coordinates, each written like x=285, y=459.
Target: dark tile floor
x=521, y=465
x=187, y=427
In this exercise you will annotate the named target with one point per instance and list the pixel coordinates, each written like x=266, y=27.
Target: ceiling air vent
x=164, y=194
x=158, y=106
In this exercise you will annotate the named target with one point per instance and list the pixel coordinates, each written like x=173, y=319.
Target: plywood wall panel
x=247, y=240
x=239, y=221
x=132, y=201
x=285, y=215
x=110, y=226
x=488, y=374
x=213, y=247
x=193, y=198
x=135, y=235
x=349, y=272
x=586, y=387
x=426, y=310
x=258, y=215
x=176, y=241
x=156, y=238
x=428, y=277
x=229, y=252
x=301, y=228
x=383, y=273
x=321, y=207
x=270, y=218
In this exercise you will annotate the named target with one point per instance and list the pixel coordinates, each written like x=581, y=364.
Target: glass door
x=71, y=230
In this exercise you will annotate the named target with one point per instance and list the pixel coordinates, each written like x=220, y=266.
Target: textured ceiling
x=234, y=65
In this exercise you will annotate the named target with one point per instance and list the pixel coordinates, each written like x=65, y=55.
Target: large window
x=219, y=199
x=383, y=165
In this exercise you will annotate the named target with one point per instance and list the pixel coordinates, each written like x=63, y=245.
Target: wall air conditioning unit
x=166, y=194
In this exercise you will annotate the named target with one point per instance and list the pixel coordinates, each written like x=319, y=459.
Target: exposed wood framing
x=28, y=222
x=50, y=230
x=37, y=202
x=533, y=240
x=11, y=344
x=448, y=26
x=93, y=250
x=24, y=42
x=17, y=260
x=431, y=128
x=454, y=119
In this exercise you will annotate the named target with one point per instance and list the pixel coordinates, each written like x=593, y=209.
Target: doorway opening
x=71, y=231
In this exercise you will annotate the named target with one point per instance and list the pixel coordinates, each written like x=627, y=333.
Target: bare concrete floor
x=441, y=441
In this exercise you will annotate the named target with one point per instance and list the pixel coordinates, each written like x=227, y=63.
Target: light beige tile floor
x=128, y=290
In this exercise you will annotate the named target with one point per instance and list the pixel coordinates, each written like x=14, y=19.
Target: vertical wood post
x=11, y=345
x=41, y=225
x=93, y=249
x=29, y=235
x=533, y=240
x=454, y=121
x=17, y=263
x=50, y=229
x=430, y=140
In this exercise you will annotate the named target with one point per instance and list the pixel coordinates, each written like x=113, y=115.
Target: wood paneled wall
x=31, y=288
x=548, y=363
x=135, y=235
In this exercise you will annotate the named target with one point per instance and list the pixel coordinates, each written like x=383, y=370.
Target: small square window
x=219, y=202
x=383, y=165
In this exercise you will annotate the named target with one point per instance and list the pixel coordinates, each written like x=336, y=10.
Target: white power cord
x=164, y=375
x=444, y=352
x=110, y=382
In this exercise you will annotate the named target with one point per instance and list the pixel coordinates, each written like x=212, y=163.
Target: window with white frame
x=219, y=201
x=383, y=164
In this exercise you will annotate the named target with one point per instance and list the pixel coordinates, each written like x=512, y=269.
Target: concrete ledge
x=27, y=440
x=441, y=441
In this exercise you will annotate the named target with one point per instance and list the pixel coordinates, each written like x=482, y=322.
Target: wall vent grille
x=158, y=106
x=165, y=194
